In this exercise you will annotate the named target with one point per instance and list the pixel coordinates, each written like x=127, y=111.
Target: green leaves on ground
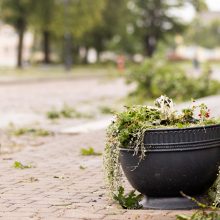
x=129, y=201
x=89, y=152
x=53, y=114
x=19, y=165
x=30, y=131
x=82, y=167
x=106, y=110
x=66, y=112
x=200, y=215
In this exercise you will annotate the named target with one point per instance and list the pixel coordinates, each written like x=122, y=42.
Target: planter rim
x=181, y=139
x=185, y=128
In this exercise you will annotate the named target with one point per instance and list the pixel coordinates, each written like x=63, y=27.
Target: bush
x=155, y=77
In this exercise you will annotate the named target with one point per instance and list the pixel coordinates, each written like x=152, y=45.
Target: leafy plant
x=66, y=112
x=106, y=110
x=89, y=152
x=156, y=76
x=129, y=201
x=69, y=112
x=82, y=167
x=19, y=165
x=200, y=215
x=129, y=127
x=30, y=131
x=53, y=114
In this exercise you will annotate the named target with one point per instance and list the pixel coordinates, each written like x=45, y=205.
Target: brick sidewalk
x=56, y=187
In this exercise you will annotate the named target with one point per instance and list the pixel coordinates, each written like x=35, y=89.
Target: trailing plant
x=200, y=215
x=129, y=127
x=156, y=76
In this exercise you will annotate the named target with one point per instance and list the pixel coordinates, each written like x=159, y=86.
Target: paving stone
x=63, y=191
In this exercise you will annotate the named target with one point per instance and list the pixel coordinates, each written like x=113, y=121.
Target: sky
x=188, y=13
x=213, y=5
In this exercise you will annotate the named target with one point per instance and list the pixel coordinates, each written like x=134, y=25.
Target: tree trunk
x=20, y=47
x=46, y=46
x=150, y=45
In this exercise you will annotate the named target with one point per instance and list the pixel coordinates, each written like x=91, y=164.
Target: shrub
x=155, y=77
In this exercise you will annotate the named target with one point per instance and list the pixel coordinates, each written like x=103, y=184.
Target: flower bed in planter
x=163, y=154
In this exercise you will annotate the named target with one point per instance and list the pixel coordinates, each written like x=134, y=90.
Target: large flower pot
x=177, y=160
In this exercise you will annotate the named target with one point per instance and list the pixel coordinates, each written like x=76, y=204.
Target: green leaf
x=89, y=152
x=129, y=201
x=19, y=165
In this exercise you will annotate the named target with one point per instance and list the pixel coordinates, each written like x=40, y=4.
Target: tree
x=155, y=20
x=75, y=18
x=42, y=17
x=114, y=19
x=199, y=32
x=16, y=13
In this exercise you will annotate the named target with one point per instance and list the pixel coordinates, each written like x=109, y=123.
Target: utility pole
x=68, y=60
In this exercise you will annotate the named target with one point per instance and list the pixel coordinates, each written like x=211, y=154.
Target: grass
x=89, y=152
x=54, y=71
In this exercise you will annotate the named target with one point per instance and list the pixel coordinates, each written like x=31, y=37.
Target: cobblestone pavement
x=29, y=103
x=61, y=184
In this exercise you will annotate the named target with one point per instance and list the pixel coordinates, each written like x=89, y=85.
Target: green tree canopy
x=78, y=17
x=155, y=20
x=42, y=18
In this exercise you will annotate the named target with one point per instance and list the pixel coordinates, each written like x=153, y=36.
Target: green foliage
x=198, y=33
x=15, y=12
x=30, y=131
x=111, y=33
x=19, y=165
x=129, y=126
x=129, y=201
x=156, y=76
x=79, y=17
x=200, y=215
x=106, y=110
x=82, y=167
x=66, y=112
x=153, y=22
x=53, y=114
x=89, y=152
x=214, y=192
x=43, y=14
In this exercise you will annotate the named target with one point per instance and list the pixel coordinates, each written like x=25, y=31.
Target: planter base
x=172, y=203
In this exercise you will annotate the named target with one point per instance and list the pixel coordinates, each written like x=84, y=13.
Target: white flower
x=165, y=106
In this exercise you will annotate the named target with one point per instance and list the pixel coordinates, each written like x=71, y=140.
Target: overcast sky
x=213, y=4
x=188, y=13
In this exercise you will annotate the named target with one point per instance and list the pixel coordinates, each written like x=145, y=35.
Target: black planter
x=177, y=160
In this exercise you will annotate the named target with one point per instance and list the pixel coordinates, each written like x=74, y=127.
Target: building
x=8, y=45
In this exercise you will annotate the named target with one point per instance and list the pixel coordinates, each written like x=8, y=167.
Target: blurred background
x=64, y=63
x=79, y=32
